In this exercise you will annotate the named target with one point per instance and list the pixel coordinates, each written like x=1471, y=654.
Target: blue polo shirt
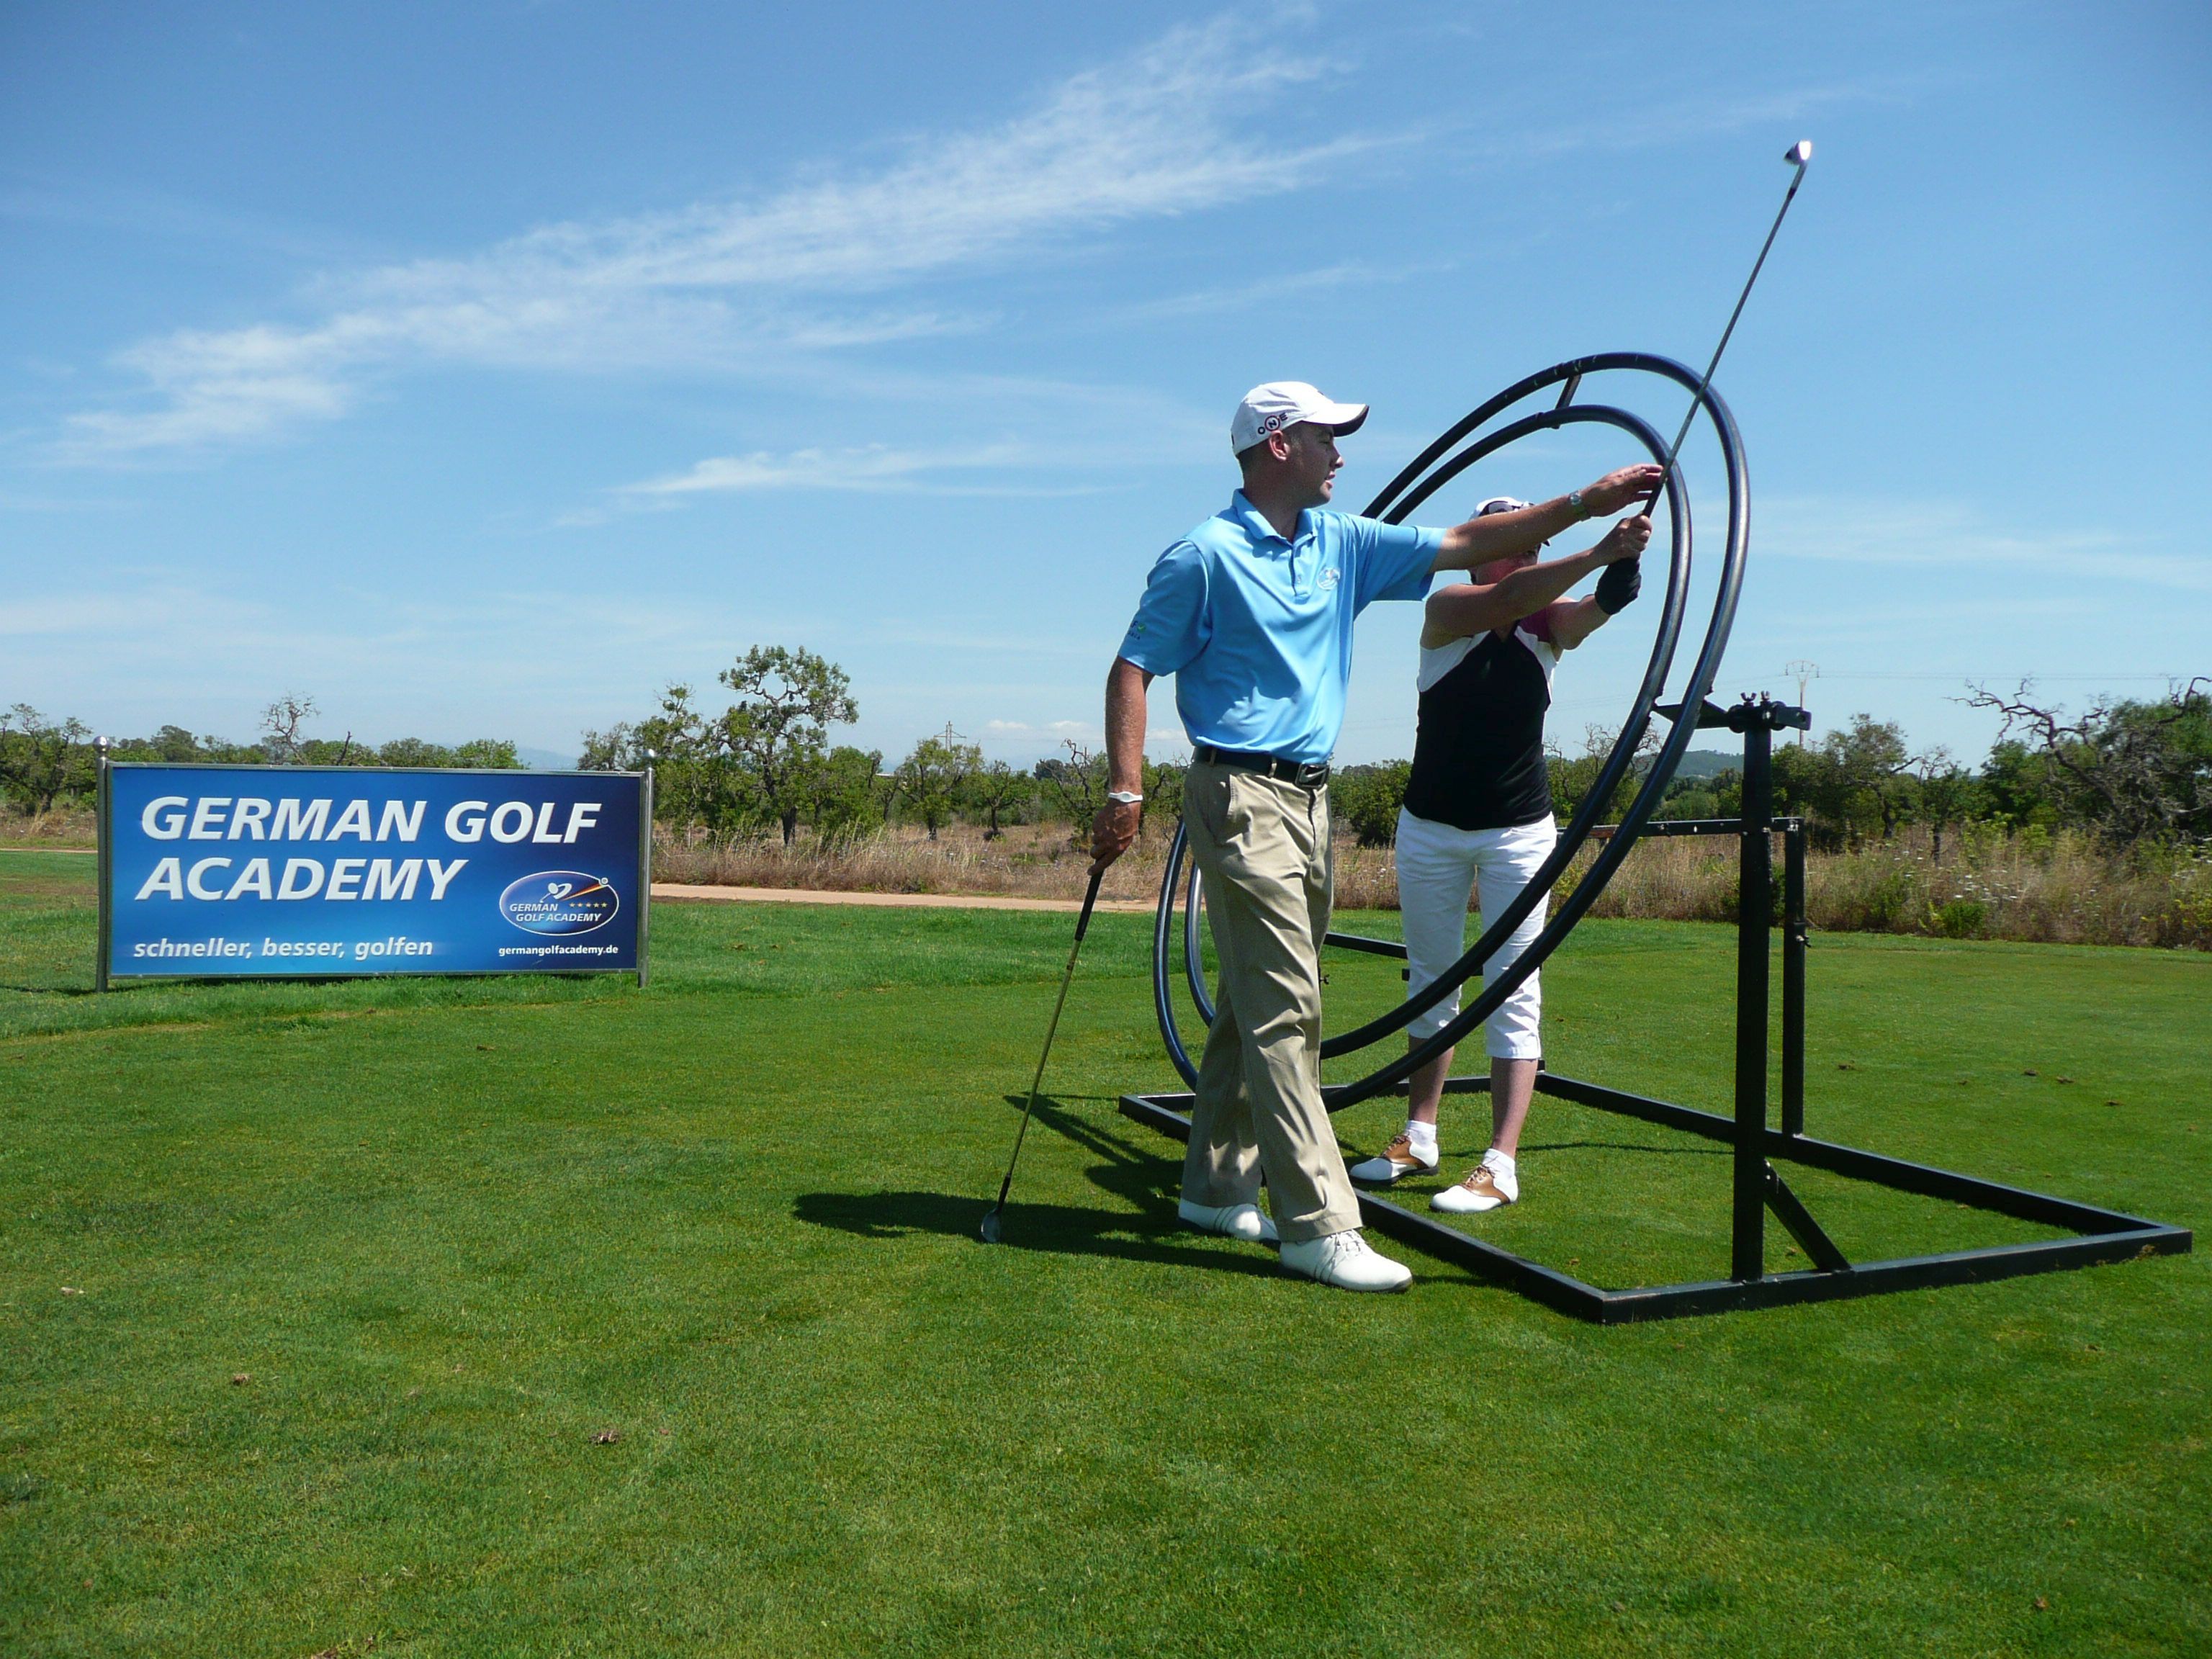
x=1257, y=630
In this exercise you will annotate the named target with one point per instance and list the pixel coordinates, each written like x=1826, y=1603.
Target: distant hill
x=1708, y=763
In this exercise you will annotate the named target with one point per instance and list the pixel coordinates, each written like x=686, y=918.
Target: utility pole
x=1805, y=672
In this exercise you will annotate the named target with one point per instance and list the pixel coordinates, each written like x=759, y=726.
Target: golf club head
x=989, y=1230
x=1799, y=153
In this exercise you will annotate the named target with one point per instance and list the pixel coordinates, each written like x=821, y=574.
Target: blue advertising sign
x=239, y=871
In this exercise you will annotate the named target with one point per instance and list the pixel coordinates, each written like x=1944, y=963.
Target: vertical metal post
x=103, y=858
x=1794, y=930
x=644, y=872
x=1755, y=917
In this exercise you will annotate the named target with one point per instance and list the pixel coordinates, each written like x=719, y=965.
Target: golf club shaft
x=1706, y=380
x=1066, y=978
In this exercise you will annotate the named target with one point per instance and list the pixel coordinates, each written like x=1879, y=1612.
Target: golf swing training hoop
x=2100, y=1235
x=1430, y=471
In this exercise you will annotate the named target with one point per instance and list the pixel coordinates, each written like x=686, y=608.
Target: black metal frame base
x=2104, y=1235
x=1757, y=1188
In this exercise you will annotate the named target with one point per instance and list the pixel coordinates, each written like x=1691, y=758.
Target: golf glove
x=1619, y=584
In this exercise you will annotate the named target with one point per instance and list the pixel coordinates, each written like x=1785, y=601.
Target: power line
x=2040, y=679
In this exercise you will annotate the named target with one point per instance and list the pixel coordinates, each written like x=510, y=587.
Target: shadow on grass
x=1063, y=1229
x=1140, y=1177
x=1625, y=1146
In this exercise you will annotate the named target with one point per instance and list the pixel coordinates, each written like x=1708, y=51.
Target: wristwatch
x=1128, y=798
x=1574, y=499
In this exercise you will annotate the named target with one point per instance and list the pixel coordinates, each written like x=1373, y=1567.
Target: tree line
x=2128, y=772
x=766, y=763
x=47, y=763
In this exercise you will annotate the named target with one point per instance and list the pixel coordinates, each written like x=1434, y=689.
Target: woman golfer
x=1478, y=821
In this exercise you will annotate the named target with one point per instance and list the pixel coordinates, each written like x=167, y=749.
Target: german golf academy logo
x=559, y=901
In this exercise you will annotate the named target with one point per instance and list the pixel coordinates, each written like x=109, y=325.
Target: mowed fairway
x=492, y=1318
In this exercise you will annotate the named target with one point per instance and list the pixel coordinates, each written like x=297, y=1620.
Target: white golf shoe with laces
x=1343, y=1260
x=1491, y=1185
x=1243, y=1221
x=1400, y=1157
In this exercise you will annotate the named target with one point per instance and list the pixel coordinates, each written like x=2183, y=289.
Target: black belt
x=1307, y=775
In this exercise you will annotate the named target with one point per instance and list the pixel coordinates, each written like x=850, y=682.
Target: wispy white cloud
x=777, y=281
x=131, y=608
x=872, y=467
x=1170, y=130
x=152, y=629
x=1052, y=729
x=1026, y=470
x=1674, y=121
x=1236, y=295
x=1950, y=535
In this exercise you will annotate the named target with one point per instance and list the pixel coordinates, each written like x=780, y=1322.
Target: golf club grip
x=1089, y=898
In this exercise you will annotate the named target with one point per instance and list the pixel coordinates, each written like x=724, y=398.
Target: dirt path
x=681, y=892
x=687, y=890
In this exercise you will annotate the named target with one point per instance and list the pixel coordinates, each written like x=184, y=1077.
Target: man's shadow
x=1148, y=1231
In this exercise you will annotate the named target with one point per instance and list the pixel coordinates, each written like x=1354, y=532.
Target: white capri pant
x=1439, y=869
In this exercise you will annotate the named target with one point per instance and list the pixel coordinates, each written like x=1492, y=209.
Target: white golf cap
x=1278, y=403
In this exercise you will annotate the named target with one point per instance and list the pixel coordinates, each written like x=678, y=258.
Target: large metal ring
x=1436, y=465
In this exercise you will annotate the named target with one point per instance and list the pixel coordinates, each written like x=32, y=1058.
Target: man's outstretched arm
x=1115, y=828
x=1494, y=535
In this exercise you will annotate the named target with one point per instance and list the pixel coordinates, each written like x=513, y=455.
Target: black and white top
x=1479, y=753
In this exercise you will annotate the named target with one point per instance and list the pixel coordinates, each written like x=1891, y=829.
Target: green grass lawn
x=523, y=1317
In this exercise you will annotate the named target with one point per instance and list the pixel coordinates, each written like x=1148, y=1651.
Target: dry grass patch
x=1023, y=861
x=64, y=827
x=2037, y=888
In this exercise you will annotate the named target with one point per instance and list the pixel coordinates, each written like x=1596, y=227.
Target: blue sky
x=480, y=369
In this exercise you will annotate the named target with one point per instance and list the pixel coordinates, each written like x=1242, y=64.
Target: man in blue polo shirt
x=1252, y=613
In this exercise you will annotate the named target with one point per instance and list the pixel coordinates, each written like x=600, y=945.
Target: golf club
x=1799, y=154
x=990, y=1229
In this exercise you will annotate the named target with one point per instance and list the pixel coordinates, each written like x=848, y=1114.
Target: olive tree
x=932, y=779
x=777, y=733
x=42, y=760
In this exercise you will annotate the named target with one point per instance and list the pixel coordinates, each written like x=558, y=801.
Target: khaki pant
x=1262, y=847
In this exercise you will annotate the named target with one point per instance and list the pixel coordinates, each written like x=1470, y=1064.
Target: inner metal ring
x=1420, y=479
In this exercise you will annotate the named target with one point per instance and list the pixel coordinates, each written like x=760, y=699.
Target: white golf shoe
x=1490, y=1185
x=1242, y=1221
x=1343, y=1260
x=1397, y=1159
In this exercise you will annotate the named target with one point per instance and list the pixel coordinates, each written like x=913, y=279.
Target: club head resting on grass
x=989, y=1231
